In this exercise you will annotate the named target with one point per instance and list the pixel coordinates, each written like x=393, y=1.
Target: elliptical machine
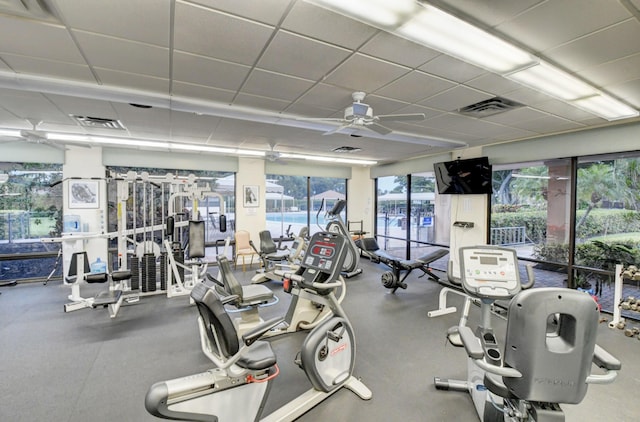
x=549, y=343
x=336, y=225
x=238, y=387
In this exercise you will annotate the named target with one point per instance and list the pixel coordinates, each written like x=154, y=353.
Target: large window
x=294, y=202
x=607, y=224
x=407, y=222
x=29, y=210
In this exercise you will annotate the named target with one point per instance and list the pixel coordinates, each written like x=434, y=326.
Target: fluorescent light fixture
x=128, y=142
x=10, y=132
x=385, y=13
x=431, y=27
x=328, y=159
x=606, y=107
x=553, y=81
x=441, y=31
x=65, y=137
x=446, y=33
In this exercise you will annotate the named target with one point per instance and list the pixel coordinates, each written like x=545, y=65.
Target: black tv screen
x=470, y=177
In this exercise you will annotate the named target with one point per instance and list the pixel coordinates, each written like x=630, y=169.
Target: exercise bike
x=351, y=266
x=549, y=343
x=237, y=388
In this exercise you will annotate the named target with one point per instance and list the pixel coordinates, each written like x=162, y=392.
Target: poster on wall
x=83, y=194
x=251, y=196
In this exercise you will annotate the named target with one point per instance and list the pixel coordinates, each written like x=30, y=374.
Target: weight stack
x=135, y=273
x=149, y=272
x=178, y=255
x=163, y=271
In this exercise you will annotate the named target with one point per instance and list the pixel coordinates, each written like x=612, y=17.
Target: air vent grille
x=489, y=107
x=346, y=149
x=98, y=122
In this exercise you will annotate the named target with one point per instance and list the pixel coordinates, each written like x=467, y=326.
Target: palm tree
x=595, y=182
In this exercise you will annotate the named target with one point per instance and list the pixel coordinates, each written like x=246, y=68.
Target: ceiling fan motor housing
x=358, y=111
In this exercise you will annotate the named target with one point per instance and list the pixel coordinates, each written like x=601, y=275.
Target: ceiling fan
x=273, y=155
x=360, y=115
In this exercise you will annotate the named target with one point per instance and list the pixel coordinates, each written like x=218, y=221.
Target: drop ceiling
x=242, y=73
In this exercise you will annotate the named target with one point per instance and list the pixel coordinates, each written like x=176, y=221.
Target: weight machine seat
x=120, y=275
x=96, y=277
x=412, y=264
x=222, y=335
x=268, y=248
x=251, y=295
x=105, y=298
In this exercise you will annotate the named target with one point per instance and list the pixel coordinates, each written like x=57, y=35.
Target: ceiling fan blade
x=401, y=117
x=320, y=119
x=338, y=129
x=379, y=128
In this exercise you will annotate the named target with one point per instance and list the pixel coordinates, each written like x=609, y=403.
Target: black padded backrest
x=550, y=339
x=267, y=245
x=73, y=264
x=216, y=320
x=231, y=284
x=196, y=239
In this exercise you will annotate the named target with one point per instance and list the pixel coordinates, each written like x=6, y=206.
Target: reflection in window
x=29, y=210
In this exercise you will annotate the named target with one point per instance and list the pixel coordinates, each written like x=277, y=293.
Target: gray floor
x=85, y=366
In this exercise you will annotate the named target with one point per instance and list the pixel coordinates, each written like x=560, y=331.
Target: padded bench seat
x=108, y=297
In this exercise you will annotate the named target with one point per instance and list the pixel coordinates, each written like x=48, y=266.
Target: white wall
x=86, y=163
x=251, y=172
x=360, y=198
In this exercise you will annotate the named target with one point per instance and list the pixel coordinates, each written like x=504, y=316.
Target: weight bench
x=113, y=295
x=400, y=268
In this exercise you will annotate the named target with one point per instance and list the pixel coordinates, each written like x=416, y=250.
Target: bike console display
x=490, y=272
x=325, y=253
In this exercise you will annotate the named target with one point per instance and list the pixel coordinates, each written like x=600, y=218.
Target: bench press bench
x=399, y=268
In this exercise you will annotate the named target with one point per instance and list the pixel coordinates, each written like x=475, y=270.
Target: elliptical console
x=489, y=272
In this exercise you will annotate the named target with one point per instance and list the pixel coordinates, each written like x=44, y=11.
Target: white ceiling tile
x=192, y=125
x=455, y=98
x=83, y=106
x=145, y=21
x=36, y=66
x=132, y=81
x=25, y=105
x=364, y=73
x=493, y=84
x=184, y=89
x=3, y=64
x=584, y=18
x=627, y=91
x=477, y=128
x=562, y=109
x=600, y=47
x=512, y=117
x=274, y=85
x=452, y=69
x=40, y=40
x=416, y=108
x=547, y=124
x=383, y=105
x=300, y=56
x=269, y=12
x=124, y=56
x=614, y=72
x=306, y=110
x=415, y=86
x=208, y=72
x=316, y=22
x=329, y=96
x=490, y=12
x=263, y=103
x=398, y=50
x=212, y=34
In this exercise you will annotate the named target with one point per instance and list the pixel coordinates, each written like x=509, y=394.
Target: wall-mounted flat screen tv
x=464, y=177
